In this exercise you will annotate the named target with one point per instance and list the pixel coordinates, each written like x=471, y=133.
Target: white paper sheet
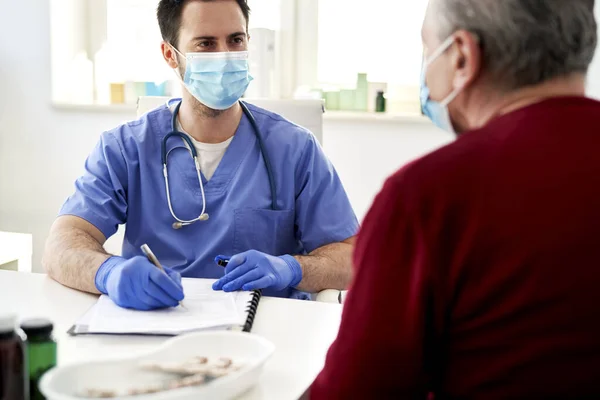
x=203, y=308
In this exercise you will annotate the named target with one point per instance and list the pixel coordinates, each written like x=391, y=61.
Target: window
x=130, y=55
x=107, y=51
x=381, y=38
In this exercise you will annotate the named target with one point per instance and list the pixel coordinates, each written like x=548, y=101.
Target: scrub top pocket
x=268, y=231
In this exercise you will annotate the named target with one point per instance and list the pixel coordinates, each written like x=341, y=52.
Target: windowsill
x=357, y=116
x=99, y=108
x=336, y=116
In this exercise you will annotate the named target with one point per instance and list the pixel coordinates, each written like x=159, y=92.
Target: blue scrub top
x=123, y=183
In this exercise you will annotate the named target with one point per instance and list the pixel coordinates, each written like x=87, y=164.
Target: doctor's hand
x=138, y=284
x=254, y=270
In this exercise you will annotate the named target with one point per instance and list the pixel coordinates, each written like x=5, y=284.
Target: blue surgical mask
x=217, y=80
x=437, y=111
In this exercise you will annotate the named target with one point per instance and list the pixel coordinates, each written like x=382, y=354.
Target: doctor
x=205, y=176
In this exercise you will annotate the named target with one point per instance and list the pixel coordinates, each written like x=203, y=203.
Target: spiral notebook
x=202, y=309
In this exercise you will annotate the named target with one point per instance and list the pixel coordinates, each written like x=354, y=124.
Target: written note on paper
x=202, y=308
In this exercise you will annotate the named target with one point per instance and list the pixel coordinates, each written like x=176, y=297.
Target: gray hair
x=526, y=42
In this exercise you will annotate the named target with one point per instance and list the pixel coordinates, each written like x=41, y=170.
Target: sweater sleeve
x=379, y=351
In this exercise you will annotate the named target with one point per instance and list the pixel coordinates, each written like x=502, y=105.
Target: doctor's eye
x=238, y=40
x=205, y=43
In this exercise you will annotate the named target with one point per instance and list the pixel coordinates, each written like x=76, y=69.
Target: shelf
x=335, y=116
x=366, y=117
x=99, y=108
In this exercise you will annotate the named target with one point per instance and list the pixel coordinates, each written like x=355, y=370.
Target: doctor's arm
x=325, y=225
x=328, y=267
x=74, y=253
x=74, y=257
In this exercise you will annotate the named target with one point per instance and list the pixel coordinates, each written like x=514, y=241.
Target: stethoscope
x=180, y=223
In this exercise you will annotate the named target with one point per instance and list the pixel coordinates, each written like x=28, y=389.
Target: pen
x=152, y=258
x=222, y=262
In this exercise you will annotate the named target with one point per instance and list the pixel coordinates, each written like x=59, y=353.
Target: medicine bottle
x=41, y=352
x=380, y=103
x=13, y=382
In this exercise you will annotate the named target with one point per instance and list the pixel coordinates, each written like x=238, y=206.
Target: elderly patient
x=478, y=267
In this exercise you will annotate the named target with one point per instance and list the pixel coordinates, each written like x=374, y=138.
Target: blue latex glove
x=254, y=270
x=138, y=284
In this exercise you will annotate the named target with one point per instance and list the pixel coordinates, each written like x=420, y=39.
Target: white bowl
x=68, y=382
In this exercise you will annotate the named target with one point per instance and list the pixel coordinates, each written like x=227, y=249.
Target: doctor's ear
x=467, y=59
x=169, y=55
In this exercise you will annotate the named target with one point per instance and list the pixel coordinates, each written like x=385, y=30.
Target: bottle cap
x=37, y=327
x=8, y=322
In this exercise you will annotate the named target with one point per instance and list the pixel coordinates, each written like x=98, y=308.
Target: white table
x=301, y=331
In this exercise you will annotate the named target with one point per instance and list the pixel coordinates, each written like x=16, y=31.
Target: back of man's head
x=525, y=42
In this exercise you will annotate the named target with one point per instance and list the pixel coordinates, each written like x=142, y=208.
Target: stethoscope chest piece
x=178, y=225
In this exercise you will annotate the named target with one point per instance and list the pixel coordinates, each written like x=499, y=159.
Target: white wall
x=42, y=150
x=365, y=154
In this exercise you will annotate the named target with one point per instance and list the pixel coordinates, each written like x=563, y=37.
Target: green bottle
x=41, y=348
x=380, y=103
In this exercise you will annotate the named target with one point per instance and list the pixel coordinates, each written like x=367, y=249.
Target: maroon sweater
x=478, y=268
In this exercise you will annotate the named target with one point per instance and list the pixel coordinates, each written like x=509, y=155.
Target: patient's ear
x=467, y=59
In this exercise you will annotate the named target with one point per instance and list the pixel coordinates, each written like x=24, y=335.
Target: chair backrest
x=306, y=113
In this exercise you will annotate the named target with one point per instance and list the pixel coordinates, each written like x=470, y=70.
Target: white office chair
x=306, y=113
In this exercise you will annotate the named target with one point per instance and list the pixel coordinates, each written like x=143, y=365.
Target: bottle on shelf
x=380, y=103
x=361, y=100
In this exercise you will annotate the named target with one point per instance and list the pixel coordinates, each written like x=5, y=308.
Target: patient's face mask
x=217, y=80
x=437, y=111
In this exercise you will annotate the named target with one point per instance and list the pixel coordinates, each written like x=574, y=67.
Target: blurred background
x=70, y=69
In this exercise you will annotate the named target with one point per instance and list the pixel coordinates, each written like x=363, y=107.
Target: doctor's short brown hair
x=169, y=15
